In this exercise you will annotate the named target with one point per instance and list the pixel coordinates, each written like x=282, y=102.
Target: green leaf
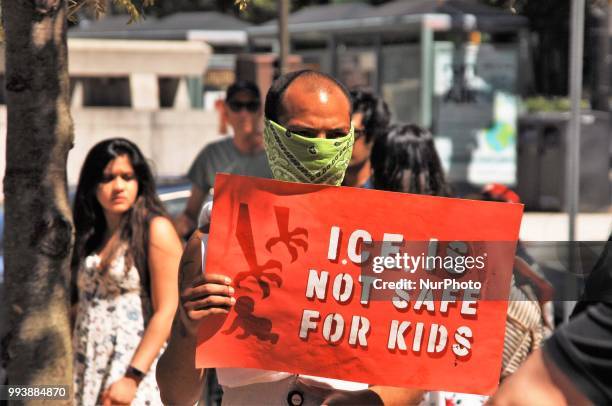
x=242, y=4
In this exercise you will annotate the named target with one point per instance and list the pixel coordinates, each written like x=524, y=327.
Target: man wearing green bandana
x=308, y=138
x=310, y=143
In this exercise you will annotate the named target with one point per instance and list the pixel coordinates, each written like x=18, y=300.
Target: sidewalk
x=554, y=227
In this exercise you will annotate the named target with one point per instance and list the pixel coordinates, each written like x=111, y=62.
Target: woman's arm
x=164, y=256
x=163, y=260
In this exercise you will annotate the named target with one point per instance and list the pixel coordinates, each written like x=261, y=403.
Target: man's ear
x=281, y=115
x=220, y=108
x=223, y=110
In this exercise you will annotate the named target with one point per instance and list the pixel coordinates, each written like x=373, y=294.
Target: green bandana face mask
x=296, y=158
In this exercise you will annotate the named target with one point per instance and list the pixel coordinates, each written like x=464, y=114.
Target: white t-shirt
x=235, y=377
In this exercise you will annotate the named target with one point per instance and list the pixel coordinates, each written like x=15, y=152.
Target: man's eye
x=126, y=177
x=302, y=133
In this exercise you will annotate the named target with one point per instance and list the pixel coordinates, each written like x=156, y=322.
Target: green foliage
x=256, y=11
x=242, y=4
x=259, y=11
x=540, y=104
x=134, y=8
x=544, y=9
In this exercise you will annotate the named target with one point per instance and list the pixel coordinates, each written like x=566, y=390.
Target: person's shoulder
x=161, y=230
x=224, y=143
x=211, y=148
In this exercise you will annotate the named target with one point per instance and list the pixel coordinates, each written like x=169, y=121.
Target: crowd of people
x=137, y=309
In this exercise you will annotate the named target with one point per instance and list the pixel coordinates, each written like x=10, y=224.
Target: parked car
x=174, y=197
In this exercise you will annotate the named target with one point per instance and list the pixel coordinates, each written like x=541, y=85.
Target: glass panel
x=401, y=86
x=357, y=66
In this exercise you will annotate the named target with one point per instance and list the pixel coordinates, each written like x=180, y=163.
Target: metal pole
x=283, y=35
x=379, y=63
x=332, y=43
x=573, y=133
x=427, y=44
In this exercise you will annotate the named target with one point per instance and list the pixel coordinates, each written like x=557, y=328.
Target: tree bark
x=38, y=233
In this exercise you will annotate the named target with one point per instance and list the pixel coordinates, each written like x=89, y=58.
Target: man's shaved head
x=309, y=81
x=308, y=136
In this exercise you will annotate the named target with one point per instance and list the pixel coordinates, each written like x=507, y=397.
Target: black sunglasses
x=359, y=132
x=251, y=106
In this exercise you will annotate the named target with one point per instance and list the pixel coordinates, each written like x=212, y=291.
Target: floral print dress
x=113, y=311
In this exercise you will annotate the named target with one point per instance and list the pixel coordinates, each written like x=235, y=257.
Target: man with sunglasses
x=242, y=154
x=308, y=138
x=370, y=119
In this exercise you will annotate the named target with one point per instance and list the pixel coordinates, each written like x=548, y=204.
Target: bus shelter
x=456, y=67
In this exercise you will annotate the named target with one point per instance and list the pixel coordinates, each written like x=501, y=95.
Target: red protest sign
x=295, y=253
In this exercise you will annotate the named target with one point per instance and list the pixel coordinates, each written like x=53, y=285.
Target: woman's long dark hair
x=405, y=160
x=375, y=113
x=89, y=220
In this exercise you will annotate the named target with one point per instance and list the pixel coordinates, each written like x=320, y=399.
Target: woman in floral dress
x=125, y=268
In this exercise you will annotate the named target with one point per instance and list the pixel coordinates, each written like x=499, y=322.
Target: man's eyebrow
x=299, y=128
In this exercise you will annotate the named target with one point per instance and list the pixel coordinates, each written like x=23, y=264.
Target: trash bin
x=542, y=161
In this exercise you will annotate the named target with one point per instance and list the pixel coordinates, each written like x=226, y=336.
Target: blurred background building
x=488, y=77
x=449, y=66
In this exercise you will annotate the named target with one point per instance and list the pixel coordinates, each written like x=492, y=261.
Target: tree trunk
x=38, y=232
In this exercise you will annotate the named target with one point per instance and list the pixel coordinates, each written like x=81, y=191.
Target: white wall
x=555, y=226
x=169, y=139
